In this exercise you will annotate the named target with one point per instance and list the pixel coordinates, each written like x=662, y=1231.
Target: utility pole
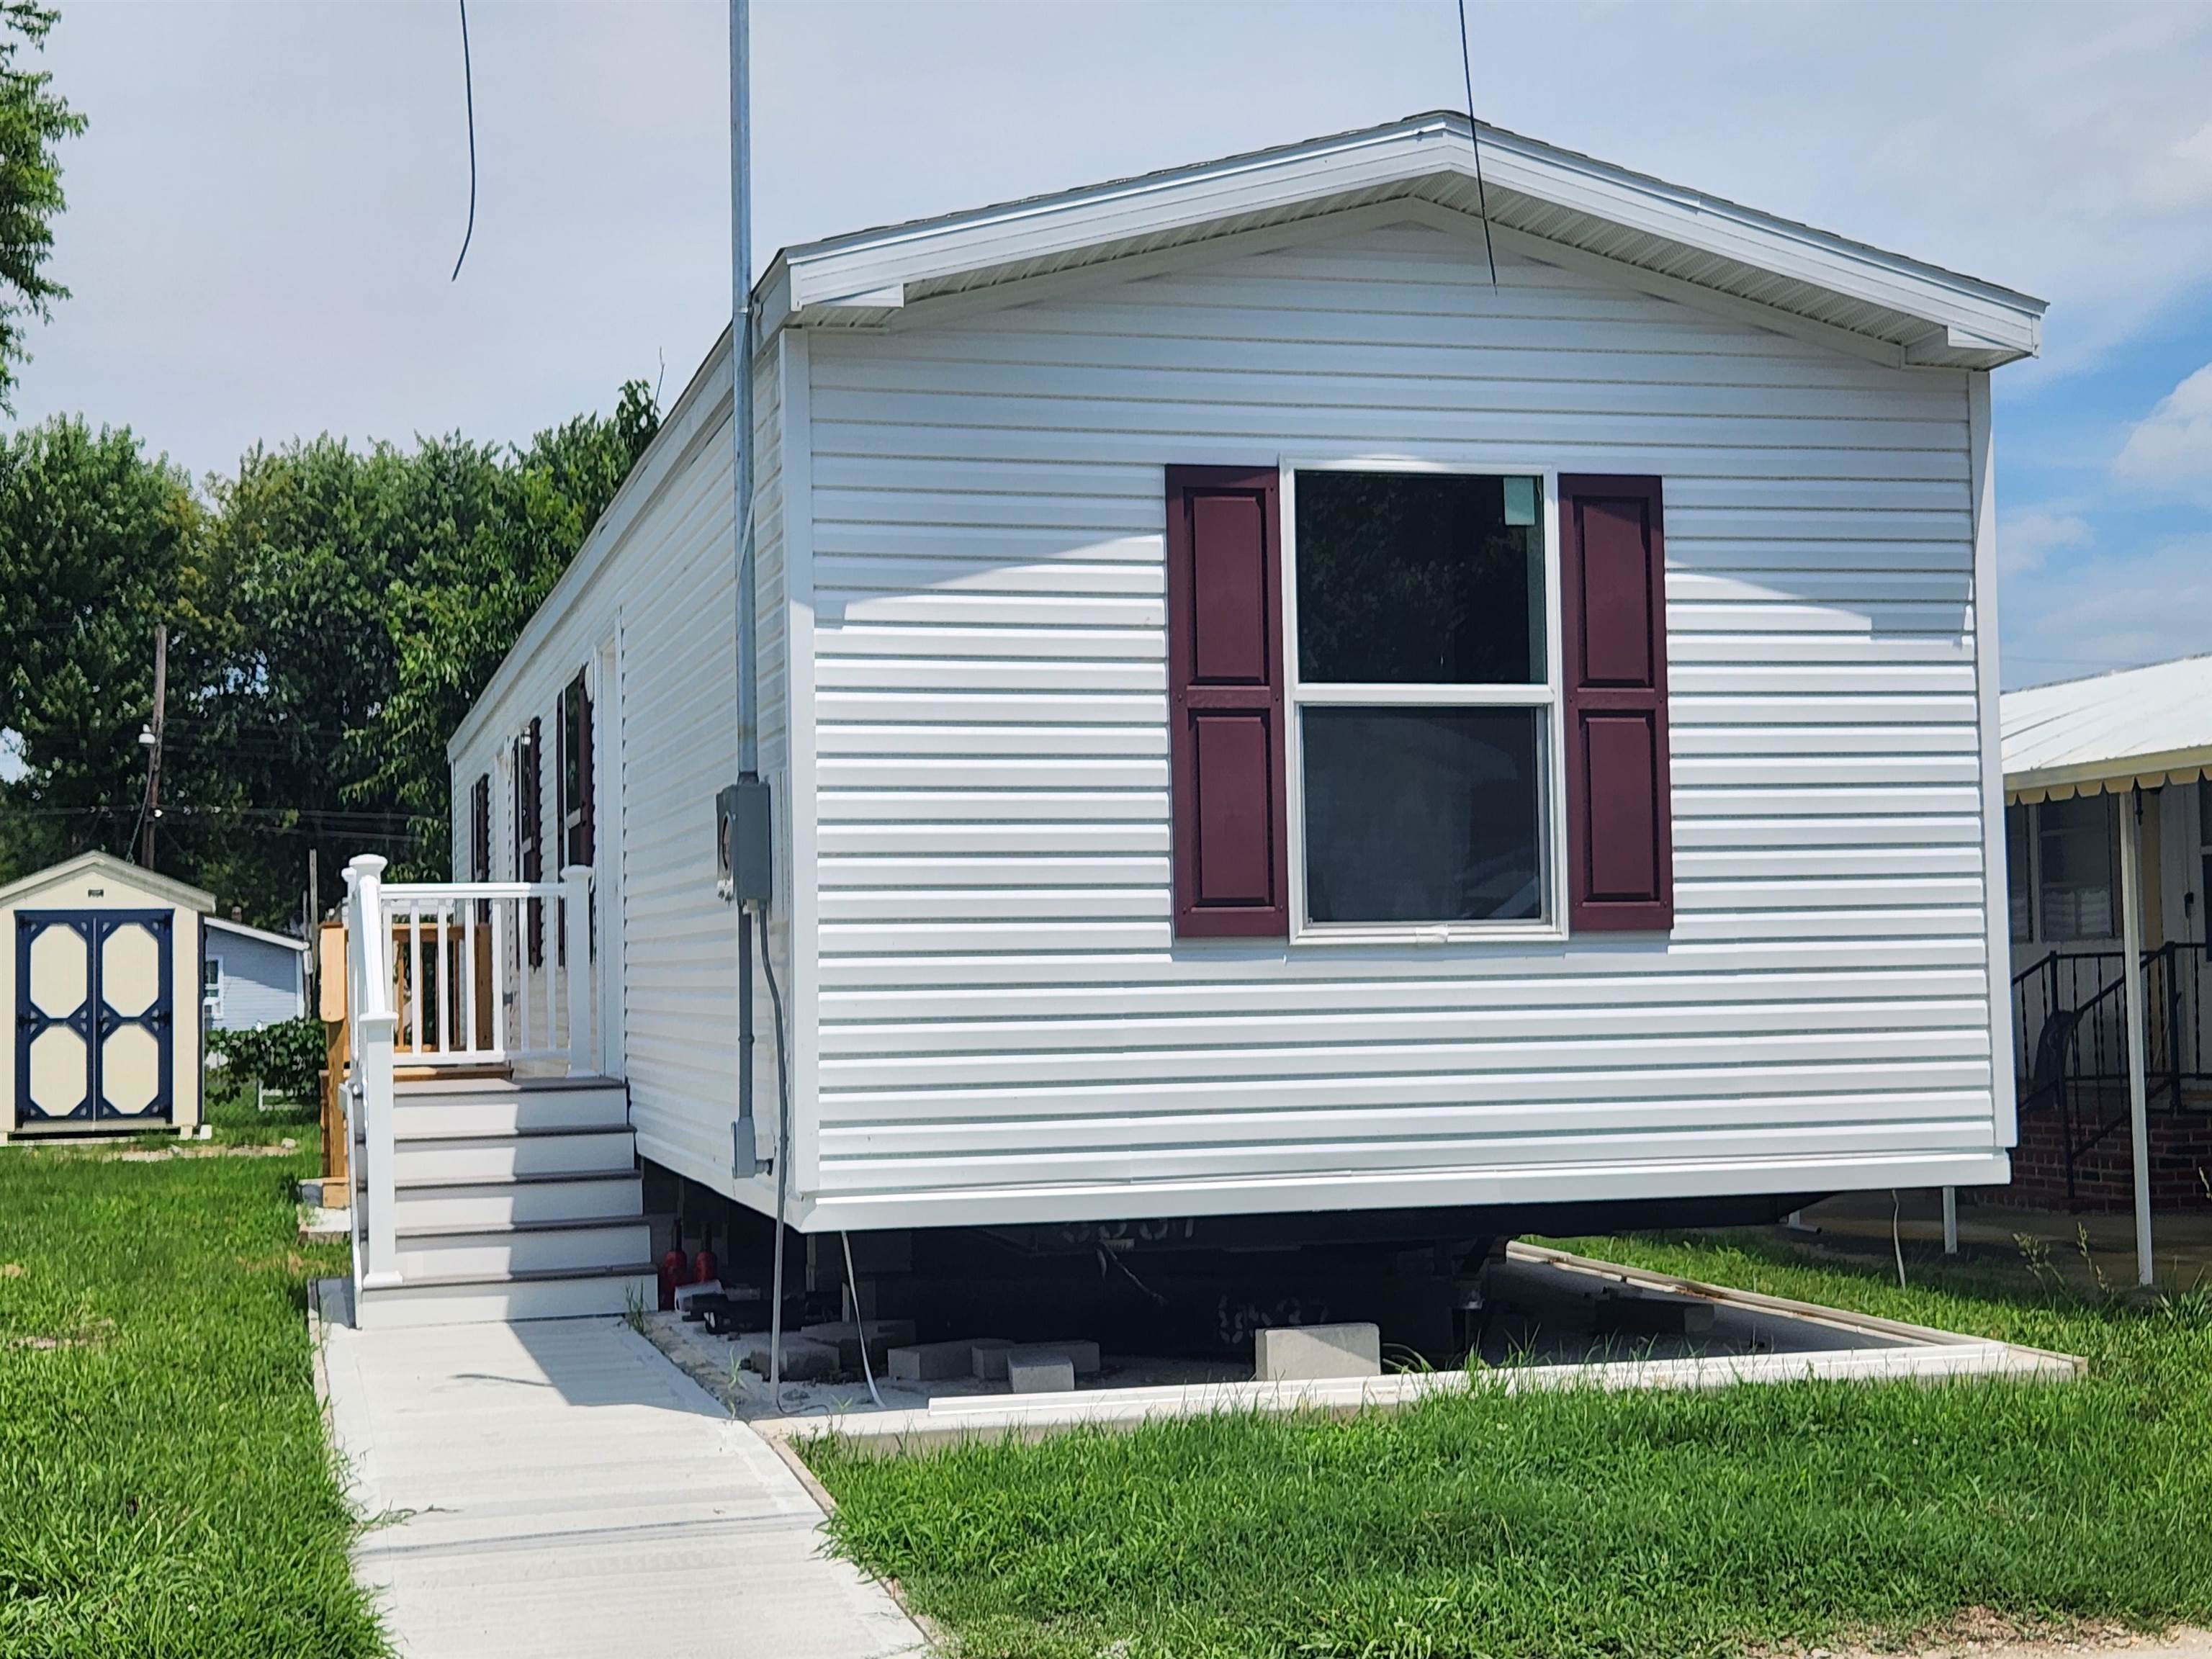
x=308, y=929
x=151, y=737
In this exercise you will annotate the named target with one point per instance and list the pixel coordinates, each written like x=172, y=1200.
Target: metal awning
x=2138, y=727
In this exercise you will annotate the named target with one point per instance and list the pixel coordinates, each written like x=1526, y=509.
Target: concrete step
x=567, y=1294
x=593, y=1196
x=421, y=1114
x=502, y=1158
x=502, y=1252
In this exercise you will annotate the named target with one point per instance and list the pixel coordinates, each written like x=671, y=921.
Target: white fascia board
x=702, y=406
x=1987, y=319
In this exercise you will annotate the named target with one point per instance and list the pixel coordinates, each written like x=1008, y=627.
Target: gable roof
x=224, y=925
x=2148, y=725
x=104, y=864
x=1905, y=310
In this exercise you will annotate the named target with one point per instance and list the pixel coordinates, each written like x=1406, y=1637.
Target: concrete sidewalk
x=558, y=1487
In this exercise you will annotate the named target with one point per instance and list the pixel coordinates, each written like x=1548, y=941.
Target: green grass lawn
x=1584, y=1523
x=166, y=1487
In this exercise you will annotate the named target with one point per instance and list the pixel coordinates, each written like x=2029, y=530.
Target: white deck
x=563, y=1489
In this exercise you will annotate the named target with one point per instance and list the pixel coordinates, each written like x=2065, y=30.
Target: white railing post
x=375, y=1021
x=576, y=926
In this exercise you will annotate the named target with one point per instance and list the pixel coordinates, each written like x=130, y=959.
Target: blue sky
x=265, y=210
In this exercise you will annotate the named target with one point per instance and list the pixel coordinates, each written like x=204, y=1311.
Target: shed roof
x=1905, y=309
x=2110, y=731
x=145, y=881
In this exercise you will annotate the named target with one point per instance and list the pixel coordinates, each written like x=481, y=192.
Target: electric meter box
x=744, y=869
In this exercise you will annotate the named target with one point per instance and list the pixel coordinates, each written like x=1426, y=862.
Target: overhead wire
x=469, y=91
x=1475, y=137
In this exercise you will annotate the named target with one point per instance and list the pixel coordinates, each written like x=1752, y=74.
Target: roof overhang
x=1907, y=312
x=242, y=930
x=2136, y=728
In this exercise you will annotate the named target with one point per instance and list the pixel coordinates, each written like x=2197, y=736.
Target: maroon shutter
x=1225, y=702
x=1620, y=835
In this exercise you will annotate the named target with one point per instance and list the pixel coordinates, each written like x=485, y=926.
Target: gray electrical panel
x=745, y=840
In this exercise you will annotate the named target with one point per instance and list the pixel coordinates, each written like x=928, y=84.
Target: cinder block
x=932, y=1362
x=1304, y=1353
x=1079, y=1351
x=844, y=1336
x=1039, y=1370
x=805, y=1360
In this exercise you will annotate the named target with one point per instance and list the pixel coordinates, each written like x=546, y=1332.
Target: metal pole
x=741, y=456
x=154, y=751
x=2131, y=949
x=741, y=375
x=1950, y=1221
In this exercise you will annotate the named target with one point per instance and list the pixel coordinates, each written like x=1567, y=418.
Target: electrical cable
x=1475, y=137
x=469, y=91
x=859, y=1323
x=782, y=1156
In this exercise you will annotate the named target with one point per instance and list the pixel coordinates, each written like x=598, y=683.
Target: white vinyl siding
x=1009, y=1031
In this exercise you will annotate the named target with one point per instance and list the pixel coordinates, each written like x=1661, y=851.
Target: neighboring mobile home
x=251, y=977
x=2091, y=765
x=1265, y=718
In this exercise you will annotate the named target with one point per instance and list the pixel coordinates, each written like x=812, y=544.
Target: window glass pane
x=1422, y=814
x=2073, y=846
x=2017, y=874
x=1416, y=578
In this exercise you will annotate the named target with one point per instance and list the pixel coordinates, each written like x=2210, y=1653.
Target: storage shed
x=1267, y=717
x=101, y=970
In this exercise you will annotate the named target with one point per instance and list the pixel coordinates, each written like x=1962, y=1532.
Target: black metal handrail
x=2080, y=1046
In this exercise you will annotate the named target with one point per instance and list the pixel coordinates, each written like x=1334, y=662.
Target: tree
x=96, y=540
x=33, y=121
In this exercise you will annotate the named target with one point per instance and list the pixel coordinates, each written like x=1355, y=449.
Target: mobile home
x=1301, y=687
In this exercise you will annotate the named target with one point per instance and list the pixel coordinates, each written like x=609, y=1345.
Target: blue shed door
x=95, y=1005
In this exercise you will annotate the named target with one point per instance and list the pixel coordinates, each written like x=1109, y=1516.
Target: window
x=2075, y=844
x=480, y=829
x=2020, y=876
x=575, y=774
x=1423, y=707
x=211, y=988
x=530, y=832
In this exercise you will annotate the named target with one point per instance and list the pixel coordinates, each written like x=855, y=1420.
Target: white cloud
x=2028, y=538
x=2171, y=448
x=2109, y=613
x=2181, y=176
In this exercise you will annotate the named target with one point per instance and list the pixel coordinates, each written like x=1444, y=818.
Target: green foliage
x=33, y=121
x=165, y=1484
x=96, y=544
x=332, y=610
x=1588, y=1525
x=286, y=1056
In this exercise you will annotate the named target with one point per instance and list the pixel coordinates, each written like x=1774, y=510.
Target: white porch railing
x=455, y=974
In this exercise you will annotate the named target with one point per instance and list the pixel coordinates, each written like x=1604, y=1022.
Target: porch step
x=524, y=1200
x=504, y=1157
x=426, y=1112
x=512, y=1197
x=463, y=1299
x=430, y=1256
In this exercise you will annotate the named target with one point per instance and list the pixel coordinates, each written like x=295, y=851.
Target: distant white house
x=251, y=977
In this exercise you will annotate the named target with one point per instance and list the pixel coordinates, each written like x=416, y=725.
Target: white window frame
x=1549, y=697
x=212, y=987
